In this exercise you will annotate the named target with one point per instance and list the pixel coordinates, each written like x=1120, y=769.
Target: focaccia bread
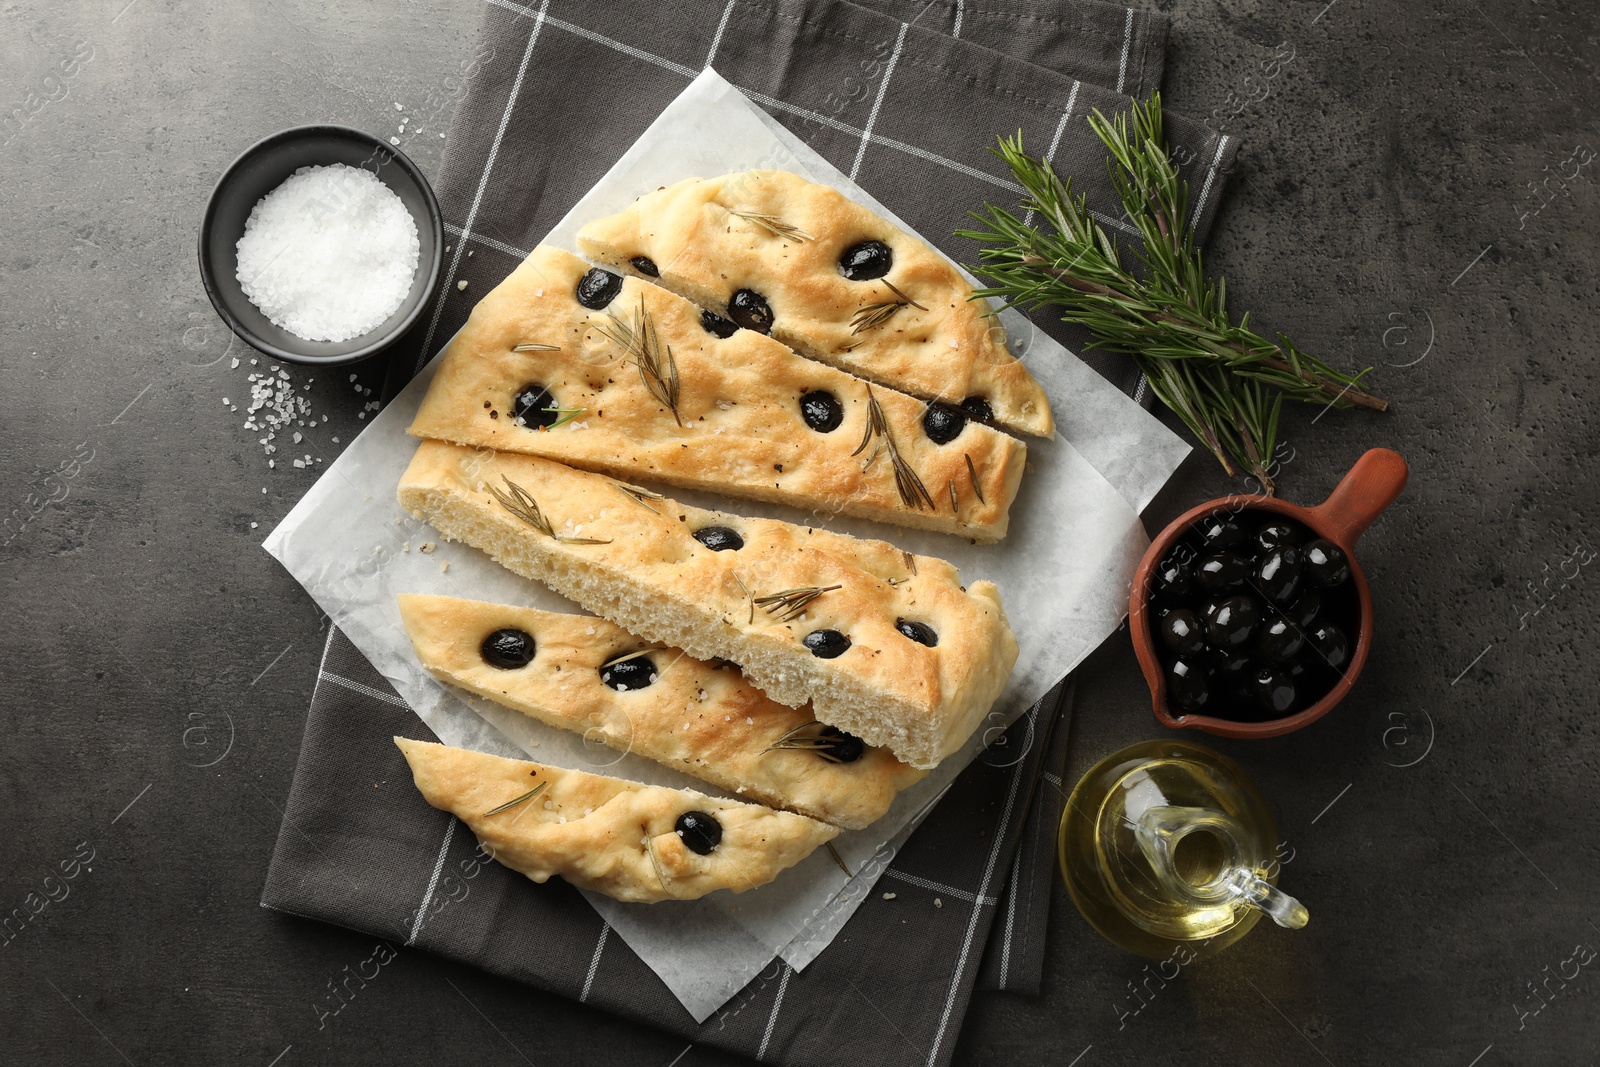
x=829, y=278
x=885, y=645
x=624, y=377
x=633, y=842
x=580, y=673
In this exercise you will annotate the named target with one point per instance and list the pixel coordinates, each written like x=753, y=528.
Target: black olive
x=1222, y=572
x=1304, y=612
x=1175, y=575
x=508, y=649
x=920, y=632
x=837, y=746
x=1231, y=621
x=821, y=410
x=1277, y=575
x=943, y=423
x=1327, y=564
x=629, y=674
x=1330, y=645
x=719, y=538
x=1220, y=532
x=646, y=266
x=1181, y=631
x=532, y=405
x=1278, y=640
x=701, y=833
x=1276, y=533
x=717, y=325
x=750, y=309
x=598, y=288
x=826, y=644
x=978, y=408
x=1229, y=667
x=1272, y=690
x=866, y=261
x=1187, y=686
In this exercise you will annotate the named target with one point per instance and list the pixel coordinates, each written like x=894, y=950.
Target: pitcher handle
x=1361, y=496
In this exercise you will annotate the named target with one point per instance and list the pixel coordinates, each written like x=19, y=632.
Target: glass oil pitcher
x=1167, y=844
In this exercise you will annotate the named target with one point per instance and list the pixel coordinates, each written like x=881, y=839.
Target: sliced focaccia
x=778, y=254
x=567, y=361
x=885, y=645
x=580, y=673
x=633, y=842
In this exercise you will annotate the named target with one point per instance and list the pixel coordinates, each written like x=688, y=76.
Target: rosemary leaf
x=642, y=496
x=535, y=347
x=972, y=472
x=524, y=798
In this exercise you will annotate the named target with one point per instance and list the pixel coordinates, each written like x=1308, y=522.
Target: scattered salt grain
x=329, y=254
x=394, y=140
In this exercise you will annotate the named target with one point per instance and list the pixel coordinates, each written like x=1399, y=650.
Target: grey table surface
x=157, y=663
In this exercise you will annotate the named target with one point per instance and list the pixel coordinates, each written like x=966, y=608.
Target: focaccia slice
x=580, y=673
x=885, y=645
x=544, y=366
x=629, y=841
x=829, y=278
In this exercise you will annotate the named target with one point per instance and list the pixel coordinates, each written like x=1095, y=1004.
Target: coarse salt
x=329, y=254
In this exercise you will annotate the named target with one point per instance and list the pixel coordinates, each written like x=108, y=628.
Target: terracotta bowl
x=1371, y=486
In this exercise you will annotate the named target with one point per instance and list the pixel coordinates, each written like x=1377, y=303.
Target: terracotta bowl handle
x=1370, y=486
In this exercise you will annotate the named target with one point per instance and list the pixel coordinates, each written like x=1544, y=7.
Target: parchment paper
x=1063, y=572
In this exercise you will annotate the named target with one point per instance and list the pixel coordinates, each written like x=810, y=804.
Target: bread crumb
x=938, y=903
x=888, y=896
x=427, y=547
x=444, y=565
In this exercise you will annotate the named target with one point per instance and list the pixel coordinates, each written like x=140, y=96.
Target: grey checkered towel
x=560, y=91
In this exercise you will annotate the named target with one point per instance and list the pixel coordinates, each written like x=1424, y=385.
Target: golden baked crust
x=652, y=577
x=738, y=428
x=704, y=721
x=612, y=836
x=948, y=350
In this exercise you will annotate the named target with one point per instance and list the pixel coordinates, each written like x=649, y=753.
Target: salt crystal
x=252, y=526
x=352, y=377
x=263, y=489
x=297, y=438
x=272, y=463
x=397, y=106
x=300, y=464
x=325, y=419
x=224, y=400
x=361, y=414
x=461, y=285
x=235, y=364
x=469, y=253
x=329, y=254
x=394, y=140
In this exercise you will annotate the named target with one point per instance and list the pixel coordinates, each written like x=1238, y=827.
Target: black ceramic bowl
x=262, y=168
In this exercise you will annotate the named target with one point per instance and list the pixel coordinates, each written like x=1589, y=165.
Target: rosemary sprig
x=772, y=224
x=657, y=369
x=840, y=861
x=523, y=799
x=521, y=504
x=533, y=346
x=871, y=316
x=913, y=494
x=791, y=603
x=642, y=496
x=1223, y=380
x=808, y=737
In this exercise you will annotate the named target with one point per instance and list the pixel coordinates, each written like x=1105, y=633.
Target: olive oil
x=1166, y=843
